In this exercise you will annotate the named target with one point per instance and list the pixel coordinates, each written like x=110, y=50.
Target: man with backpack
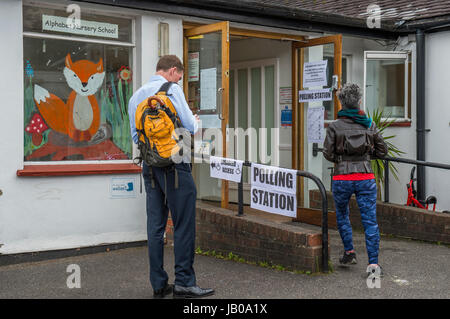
x=350, y=142
x=169, y=187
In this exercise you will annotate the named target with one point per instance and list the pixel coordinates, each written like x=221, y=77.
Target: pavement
x=413, y=269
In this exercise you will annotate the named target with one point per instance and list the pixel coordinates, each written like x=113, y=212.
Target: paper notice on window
x=315, y=120
x=193, y=67
x=315, y=74
x=285, y=95
x=210, y=121
x=208, y=89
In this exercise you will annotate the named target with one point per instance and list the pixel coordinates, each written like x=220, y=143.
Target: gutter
x=420, y=112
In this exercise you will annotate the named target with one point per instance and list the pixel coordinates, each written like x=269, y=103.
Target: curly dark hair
x=349, y=95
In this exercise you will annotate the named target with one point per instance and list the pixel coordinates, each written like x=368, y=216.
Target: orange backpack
x=156, y=120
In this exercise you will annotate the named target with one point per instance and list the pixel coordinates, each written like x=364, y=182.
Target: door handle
x=220, y=90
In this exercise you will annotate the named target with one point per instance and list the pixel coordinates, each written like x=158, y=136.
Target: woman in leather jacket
x=350, y=143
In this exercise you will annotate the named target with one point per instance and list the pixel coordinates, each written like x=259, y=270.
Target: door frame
x=298, y=118
x=194, y=29
x=224, y=28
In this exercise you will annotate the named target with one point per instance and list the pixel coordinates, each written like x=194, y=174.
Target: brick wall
x=257, y=239
x=398, y=220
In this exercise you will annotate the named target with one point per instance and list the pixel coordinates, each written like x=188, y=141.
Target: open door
x=206, y=86
x=326, y=51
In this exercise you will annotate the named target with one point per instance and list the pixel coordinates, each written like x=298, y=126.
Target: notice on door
x=226, y=168
x=274, y=190
x=315, y=74
x=193, y=67
x=315, y=95
x=208, y=89
x=316, y=132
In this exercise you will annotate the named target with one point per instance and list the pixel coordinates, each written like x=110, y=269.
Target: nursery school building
x=69, y=68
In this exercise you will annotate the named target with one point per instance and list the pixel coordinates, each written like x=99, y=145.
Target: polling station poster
x=274, y=190
x=226, y=168
x=307, y=96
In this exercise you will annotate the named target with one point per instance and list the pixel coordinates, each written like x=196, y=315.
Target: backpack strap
x=165, y=88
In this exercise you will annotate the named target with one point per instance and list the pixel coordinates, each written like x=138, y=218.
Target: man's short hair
x=167, y=62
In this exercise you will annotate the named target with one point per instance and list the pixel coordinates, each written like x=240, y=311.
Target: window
x=77, y=83
x=387, y=84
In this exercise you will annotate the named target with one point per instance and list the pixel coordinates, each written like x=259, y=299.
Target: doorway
x=246, y=73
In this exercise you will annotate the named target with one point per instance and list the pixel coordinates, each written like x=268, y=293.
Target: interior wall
x=258, y=49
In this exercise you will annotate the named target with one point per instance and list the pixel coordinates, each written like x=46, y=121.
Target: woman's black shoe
x=348, y=259
x=191, y=292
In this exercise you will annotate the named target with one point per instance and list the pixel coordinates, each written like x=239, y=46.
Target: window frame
x=93, y=166
x=391, y=55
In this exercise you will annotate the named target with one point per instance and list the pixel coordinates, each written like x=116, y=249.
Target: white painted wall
x=46, y=213
x=438, y=115
x=65, y=212
x=405, y=137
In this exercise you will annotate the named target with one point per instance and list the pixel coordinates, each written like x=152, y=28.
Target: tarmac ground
x=413, y=269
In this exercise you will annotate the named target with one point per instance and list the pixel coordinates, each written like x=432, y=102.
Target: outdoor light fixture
x=163, y=39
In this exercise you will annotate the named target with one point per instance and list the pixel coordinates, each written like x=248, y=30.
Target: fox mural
x=79, y=117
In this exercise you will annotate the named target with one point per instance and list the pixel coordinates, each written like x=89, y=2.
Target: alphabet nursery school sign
x=274, y=189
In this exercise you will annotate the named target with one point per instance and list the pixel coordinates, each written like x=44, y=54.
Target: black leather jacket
x=338, y=149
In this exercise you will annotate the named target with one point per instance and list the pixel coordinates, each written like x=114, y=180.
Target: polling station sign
x=274, y=189
x=307, y=96
x=226, y=168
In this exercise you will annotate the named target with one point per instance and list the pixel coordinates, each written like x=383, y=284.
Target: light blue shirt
x=176, y=97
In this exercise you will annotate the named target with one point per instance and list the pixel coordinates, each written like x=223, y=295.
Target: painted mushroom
x=36, y=127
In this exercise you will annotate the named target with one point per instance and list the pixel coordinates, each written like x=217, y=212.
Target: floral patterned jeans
x=366, y=197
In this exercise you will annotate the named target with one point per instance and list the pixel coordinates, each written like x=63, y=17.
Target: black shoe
x=191, y=292
x=161, y=293
x=348, y=258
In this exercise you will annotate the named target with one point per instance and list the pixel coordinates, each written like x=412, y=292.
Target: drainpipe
x=420, y=115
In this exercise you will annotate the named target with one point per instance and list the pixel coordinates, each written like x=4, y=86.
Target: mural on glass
x=76, y=101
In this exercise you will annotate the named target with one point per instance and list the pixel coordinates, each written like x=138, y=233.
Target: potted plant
x=393, y=151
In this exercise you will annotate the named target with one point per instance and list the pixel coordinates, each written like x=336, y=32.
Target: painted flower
x=29, y=69
x=125, y=73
